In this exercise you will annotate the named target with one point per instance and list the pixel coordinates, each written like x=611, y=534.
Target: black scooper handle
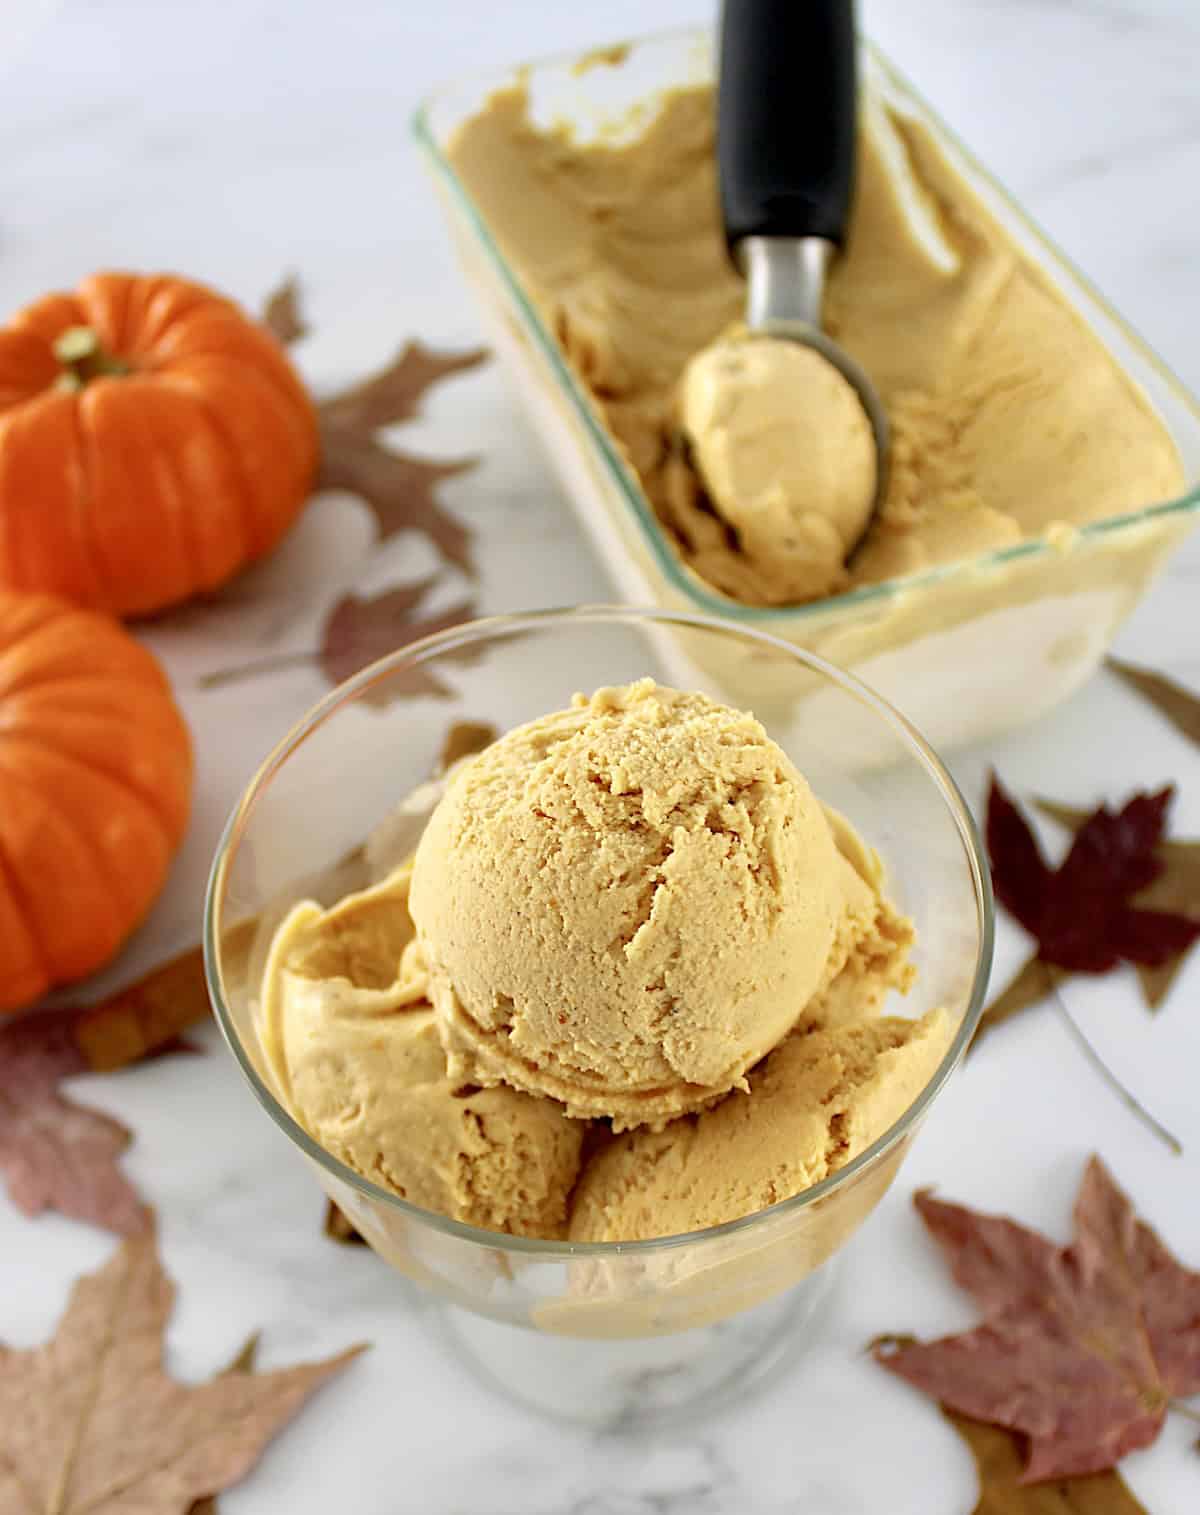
x=786, y=118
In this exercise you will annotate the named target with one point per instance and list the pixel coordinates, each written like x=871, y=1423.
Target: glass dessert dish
x=597, y=1332
x=968, y=649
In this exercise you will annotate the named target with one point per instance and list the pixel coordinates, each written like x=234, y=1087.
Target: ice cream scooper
x=783, y=444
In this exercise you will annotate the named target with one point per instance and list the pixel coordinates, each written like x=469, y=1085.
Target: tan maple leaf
x=1033, y=981
x=394, y=393
x=152, y=1011
x=1179, y=705
x=281, y=313
x=91, y=1421
x=999, y=1463
x=339, y=1227
x=398, y=488
x=243, y=1362
x=464, y=739
x=361, y=629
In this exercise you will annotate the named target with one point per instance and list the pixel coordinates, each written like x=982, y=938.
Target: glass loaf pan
x=966, y=650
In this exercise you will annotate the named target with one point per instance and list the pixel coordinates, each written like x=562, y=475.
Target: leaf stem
x=1127, y=1098
x=278, y=664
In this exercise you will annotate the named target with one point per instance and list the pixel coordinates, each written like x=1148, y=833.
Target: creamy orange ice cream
x=1010, y=419
x=352, y=1044
x=818, y=1100
x=626, y=904
x=786, y=455
x=630, y=984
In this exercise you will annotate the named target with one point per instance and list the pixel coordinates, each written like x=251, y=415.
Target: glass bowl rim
x=668, y=563
x=488, y=628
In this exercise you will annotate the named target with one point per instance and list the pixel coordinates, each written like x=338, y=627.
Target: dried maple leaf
x=149, y=1014
x=398, y=488
x=1115, y=897
x=245, y=1357
x=358, y=630
x=281, y=313
x=1176, y=889
x=1081, y=913
x=1083, y=1347
x=339, y=1227
x=1031, y=983
x=243, y=1362
x=361, y=629
x=1180, y=706
x=464, y=739
x=55, y=1154
x=998, y=1461
x=91, y=1422
x=395, y=392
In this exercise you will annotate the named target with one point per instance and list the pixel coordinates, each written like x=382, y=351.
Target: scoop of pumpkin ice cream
x=626, y=904
x=786, y=455
x=353, y=1047
x=817, y=1101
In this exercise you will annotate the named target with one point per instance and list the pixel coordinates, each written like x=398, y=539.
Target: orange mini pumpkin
x=95, y=787
x=153, y=440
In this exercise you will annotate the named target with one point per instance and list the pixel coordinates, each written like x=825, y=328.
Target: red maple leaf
x=1083, y=1347
x=1080, y=913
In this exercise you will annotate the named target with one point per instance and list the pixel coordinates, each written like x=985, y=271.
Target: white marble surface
x=242, y=138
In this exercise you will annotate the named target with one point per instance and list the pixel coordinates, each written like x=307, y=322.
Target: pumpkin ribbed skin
x=138, y=490
x=95, y=789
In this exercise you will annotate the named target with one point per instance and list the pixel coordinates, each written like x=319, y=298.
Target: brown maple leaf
x=54, y=1153
x=59, y=1155
x=464, y=739
x=1083, y=1348
x=1180, y=706
x=281, y=313
x=998, y=1461
x=339, y=1227
x=361, y=629
x=91, y=1422
x=243, y=1362
x=1029, y=986
x=149, y=1014
x=1177, y=889
x=398, y=488
x=395, y=392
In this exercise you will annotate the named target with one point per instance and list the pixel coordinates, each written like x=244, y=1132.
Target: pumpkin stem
x=83, y=358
